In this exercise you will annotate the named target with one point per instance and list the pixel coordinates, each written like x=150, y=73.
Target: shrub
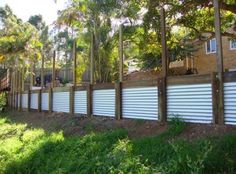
x=3, y=101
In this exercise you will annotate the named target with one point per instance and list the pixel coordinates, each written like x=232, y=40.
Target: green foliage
x=3, y=101
x=176, y=126
x=27, y=150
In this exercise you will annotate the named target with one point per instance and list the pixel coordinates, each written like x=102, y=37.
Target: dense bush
x=3, y=101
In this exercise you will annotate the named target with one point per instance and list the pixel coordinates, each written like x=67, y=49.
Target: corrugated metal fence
x=192, y=103
x=140, y=103
x=104, y=102
x=190, y=98
x=230, y=103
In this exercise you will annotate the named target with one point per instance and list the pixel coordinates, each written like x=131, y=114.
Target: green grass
x=24, y=150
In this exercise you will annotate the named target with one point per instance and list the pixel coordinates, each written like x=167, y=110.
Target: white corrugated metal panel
x=80, y=102
x=140, y=103
x=104, y=102
x=34, y=101
x=45, y=102
x=61, y=102
x=192, y=103
x=230, y=103
x=25, y=101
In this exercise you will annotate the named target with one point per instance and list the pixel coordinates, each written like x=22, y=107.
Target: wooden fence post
x=50, y=100
x=20, y=107
x=72, y=100
x=215, y=96
x=219, y=56
x=118, y=113
x=40, y=101
x=162, y=100
x=29, y=100
x=17, y=100
x=89, y=100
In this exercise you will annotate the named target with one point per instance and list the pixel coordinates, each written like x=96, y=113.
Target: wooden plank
x=45, y=90
x=230, y=77
x=162, y=100
x=118, y=112
x=121, y=53
x=219, y=56
x=215, y=90
x=137, y=84
x=72, y=100
x=81, y=88
x=104, y=86
x=189, y=79
x=61, y=89
x=89, y=100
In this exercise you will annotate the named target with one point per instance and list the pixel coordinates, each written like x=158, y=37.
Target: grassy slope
x=25, y=150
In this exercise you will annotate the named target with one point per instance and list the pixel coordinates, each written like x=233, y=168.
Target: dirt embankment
x=79, y=125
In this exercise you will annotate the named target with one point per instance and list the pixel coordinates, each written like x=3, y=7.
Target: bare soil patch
x=80, y=125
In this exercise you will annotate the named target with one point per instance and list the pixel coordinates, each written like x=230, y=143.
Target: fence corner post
x=40, y=101
x=50, y=100
x=118, y=100
x=162, y=100
x=72, y=99
x=215, y=96
x=89, y=100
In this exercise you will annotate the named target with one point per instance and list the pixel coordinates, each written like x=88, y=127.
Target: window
x=233, y=44
x=211, y=46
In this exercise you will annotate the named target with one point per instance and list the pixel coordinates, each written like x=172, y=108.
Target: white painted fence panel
x=25, y=101
x=230, y=103
x=140, y=103
x=34, y=101
x=192, y=103
x=80, y=104
x=61, y=102
x=45, y=103
x=104, y=102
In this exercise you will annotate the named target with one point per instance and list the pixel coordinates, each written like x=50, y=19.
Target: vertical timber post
x=40, y=100
x=20, y=91
x=162, y=90
x=75, y=62
x=215, y=90
x=118, y=113
x=89, y=100
x=42, y=72
x=53, y=69
x=219, y=56
x=121, y=53
x=29, y=100
x=50, y=100
x=72, y=99
x=92, y=60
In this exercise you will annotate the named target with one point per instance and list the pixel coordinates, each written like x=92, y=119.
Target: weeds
x=26, y=150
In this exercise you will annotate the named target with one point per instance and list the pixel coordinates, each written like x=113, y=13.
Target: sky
x=25, y=8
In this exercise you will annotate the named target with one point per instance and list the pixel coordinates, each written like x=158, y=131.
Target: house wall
x=206, y=63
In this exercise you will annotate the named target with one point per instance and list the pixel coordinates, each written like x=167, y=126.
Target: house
x=204, y=59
